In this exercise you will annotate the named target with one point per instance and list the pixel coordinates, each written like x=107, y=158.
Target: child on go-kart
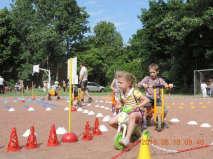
x=149, y=82
x=132, y=100
x=54, y=91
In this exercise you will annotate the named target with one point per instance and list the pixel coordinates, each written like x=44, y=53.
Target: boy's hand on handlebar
x=170, y=85
x=145, y=85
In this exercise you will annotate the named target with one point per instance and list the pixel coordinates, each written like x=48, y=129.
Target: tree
x=9, y=45
x=42, y=29
x=105, y=47
x=176, y=35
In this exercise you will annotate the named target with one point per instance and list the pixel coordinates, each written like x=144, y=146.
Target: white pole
x=49, y=79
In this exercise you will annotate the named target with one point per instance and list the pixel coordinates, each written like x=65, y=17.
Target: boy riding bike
x=152, y=82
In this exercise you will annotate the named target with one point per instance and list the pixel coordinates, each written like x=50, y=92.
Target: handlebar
x=158, y=86
x=162, y=86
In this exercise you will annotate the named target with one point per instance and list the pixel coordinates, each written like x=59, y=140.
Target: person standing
x=64, y=85
x=1, y=85
x=204, y=87
x=83, y=80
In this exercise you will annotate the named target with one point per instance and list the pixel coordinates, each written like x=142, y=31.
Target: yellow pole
x=155, y=104
x=162, y=102
x=70, y=95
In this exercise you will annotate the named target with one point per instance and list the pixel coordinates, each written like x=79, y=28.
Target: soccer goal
x=205, y=75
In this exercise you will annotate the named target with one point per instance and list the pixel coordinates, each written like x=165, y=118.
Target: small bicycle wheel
x=117, y=140
x=159, y=123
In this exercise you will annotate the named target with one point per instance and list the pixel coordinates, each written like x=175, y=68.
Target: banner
x=72, y=65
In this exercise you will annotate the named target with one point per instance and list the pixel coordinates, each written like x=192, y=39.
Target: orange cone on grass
x=33, y=97
x=96, y=130
x=13, y=144
x=53, y=140
x=31, y=140
x=87, y=135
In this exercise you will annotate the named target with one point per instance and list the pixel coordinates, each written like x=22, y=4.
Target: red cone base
x=87, y=137
x=74, y=109
x=97, y=132
x=13, y=149
x=69, y=137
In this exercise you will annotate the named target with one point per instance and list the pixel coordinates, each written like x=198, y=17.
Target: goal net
x=203, y=76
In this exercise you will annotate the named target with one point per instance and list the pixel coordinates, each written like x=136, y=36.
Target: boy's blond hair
x=154, y=67
x=128, y=76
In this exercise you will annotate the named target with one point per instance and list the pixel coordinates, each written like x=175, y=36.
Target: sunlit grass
x=40, y=92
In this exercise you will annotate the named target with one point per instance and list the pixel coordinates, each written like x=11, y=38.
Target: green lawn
x=40, y=92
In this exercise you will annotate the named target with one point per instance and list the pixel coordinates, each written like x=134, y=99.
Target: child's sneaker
x=114, y=114
x=124, y=142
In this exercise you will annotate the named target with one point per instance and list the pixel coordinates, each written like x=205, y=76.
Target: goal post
x=199, y=77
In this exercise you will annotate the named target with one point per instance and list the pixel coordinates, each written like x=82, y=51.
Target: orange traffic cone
x=53, y=140
x=96, y=130
x=87, y=135
x=33, y=97
x=31, y=140
x=13, y=143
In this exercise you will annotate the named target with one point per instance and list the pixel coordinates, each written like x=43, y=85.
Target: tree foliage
x=41, y=28
x=176, y=34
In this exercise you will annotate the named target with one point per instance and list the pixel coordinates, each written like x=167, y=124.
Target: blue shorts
x=151, y=102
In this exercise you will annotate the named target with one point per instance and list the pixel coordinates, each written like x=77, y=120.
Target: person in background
x=83, y=80
x=115, y=93
x=1, y=85
x=64, y=85
x=203, y=87
x=45, y=83
x=54, y=91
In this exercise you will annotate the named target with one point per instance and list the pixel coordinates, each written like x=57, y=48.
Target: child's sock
x=124, y=142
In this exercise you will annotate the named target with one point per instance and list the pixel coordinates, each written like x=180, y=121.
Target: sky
x=123, y=13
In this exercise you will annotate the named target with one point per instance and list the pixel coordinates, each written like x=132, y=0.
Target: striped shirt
x=131, y=98
x=151, y=82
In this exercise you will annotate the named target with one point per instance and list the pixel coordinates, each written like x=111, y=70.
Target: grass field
x=40, y=92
